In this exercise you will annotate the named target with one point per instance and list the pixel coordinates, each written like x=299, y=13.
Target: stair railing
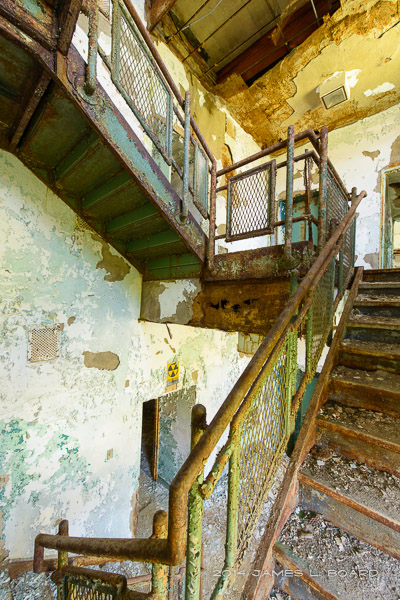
x=259, y=417
x=255, y=209
x=140, y=75
x=142, y=78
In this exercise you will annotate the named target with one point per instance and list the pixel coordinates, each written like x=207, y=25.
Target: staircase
x=343, y=537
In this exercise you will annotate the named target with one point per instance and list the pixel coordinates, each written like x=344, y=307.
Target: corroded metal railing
x=259, y=413
x=253, y=208
x=143, y=80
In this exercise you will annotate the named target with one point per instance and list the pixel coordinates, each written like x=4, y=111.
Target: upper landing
x=95, y=114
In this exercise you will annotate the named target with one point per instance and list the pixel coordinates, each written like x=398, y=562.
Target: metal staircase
x=151, y=192
x=339, y=501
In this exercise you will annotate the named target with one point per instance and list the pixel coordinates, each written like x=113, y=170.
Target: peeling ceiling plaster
x=361, y=38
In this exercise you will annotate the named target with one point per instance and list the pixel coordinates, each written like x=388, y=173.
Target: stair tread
x=376, y=300
x=372, y=321
x=379, y=284
x=367, y=422
x=375, y=489
x=365, y=571
x=382, y=380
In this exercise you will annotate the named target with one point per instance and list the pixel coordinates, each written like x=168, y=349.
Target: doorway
x=150, y=437
x=390, y=219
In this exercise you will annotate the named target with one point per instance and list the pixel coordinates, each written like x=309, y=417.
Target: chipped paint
x=59, y=418
x=117, y=268
x=101, y=360
x=380, y=89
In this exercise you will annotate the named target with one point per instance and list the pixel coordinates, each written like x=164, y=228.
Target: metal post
x=62, y=561
x=213, y=216
x=353, y=233
x=307, y=181
x=232, y=518
x=195, y=515
x=115, y=40
x=289, y=192
x=159, y=573
x=323, y=176
x=91, y=67
x=309, y=336
x=186, y=150
x=340, y=275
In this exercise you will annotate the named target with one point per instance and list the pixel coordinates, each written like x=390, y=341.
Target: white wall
x=60, y=418
x=360, y=152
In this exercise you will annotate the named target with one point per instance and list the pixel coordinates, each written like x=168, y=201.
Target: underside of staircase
x=84, y=150
x=338, y=511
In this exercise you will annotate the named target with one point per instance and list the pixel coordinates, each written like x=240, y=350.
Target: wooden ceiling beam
x=264, y=53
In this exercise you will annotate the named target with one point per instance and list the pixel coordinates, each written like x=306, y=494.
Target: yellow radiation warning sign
x=172, y=372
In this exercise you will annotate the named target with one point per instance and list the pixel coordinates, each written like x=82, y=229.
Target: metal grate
x=87, y=584
x=321, y=317
x=251, y=203
x=263, y=439
x=44, y=343
x=140, y=81
x=336, y=202
x=201, y=180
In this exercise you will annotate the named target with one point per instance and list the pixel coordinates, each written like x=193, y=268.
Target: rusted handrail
x=172, y=550
x=174, y=89
x=309, y=134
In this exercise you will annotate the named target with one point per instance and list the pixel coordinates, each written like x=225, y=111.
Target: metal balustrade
x=260, y=410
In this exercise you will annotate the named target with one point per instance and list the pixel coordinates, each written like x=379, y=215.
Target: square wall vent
x=44, y=343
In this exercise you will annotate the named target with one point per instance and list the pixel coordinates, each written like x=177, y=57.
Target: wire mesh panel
x=348, y=252
x=86, y=584
x=201, y=180
x=336, y=202
x=250, y=204
x=262, y=441
x=138, y=76
x=321, y=317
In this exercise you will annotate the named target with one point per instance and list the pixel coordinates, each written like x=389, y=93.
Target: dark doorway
x=150, y=437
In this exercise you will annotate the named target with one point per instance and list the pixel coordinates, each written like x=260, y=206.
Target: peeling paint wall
x=360, y=152
x=71, y=427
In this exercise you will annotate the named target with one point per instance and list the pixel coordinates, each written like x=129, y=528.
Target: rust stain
x=101, y=360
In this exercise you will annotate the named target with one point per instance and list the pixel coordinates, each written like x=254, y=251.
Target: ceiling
x=218, y=38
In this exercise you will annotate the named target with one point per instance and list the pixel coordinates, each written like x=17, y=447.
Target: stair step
x=363, y=435
x=377, y=305
x=360, y=354
x=350, y=499
x=388, y=288
x=377, y=489
x=370, y=328
x=372, y=390
x=377, y=275
x=295, y=577
x=331, y=561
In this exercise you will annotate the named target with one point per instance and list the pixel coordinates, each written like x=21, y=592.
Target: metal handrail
x=171, y=551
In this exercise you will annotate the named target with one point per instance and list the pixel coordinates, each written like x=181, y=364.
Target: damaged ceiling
x=218, y=38
x=361, y=38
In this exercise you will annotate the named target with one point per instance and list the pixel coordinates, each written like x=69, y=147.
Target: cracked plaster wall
x=360, y=152
x=60, y=418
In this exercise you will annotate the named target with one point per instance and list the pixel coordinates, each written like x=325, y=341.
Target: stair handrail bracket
x=267, y=391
